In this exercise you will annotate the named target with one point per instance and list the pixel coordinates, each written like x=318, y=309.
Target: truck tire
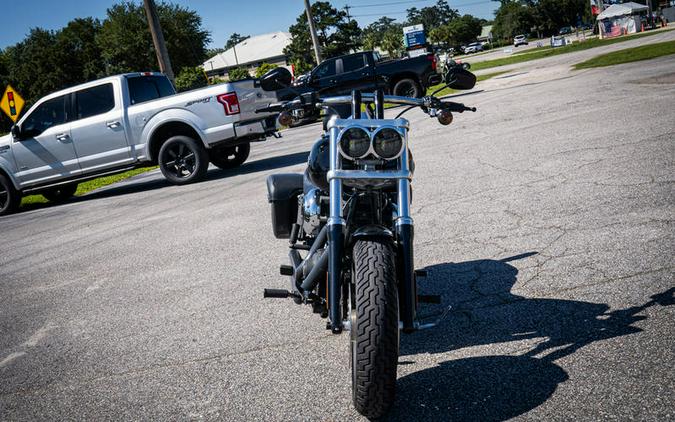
x=230, y=157
x=10, y=198
x=183, y=160
x=60, y=193
x=408, y=87
x=374, y=331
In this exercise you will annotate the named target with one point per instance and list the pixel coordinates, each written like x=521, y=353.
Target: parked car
x=519, y=40
x=565, y=30
x=473, y=48
x=127, y=121
x=366, y=71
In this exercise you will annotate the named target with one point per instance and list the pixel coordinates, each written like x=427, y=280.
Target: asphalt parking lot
x=546, y=220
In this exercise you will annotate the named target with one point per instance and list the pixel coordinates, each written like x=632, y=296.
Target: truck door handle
x=113, y=125
x=62, y=137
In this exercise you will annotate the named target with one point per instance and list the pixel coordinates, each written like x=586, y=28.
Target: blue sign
x=413, y=36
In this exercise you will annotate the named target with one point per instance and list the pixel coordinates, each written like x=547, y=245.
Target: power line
x=404, y=12
x=390, y=3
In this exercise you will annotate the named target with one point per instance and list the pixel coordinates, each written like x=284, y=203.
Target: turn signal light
x=230, y=103
x=444, y=117
x=285, y=118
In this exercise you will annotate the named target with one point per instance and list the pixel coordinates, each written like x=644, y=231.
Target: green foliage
x=300, y=67
x=513, y=18
x=264, y=68
x=544, y=16
x=213, y=51
x=190, y=78
x=628, y=55
x=373, y=34
x=392, y=42
x=432, y=16
x=337, y=35
x=234, y=40
x=237, y=74
x=459, y=31
x=126, y=42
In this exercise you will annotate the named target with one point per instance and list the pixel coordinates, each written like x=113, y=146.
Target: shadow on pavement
x=484, y=311
x=142, y=185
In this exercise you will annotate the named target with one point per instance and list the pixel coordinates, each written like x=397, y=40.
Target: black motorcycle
x=349, y=214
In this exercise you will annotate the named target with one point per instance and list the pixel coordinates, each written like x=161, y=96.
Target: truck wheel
x=374, y=332
x=408, y=88
x=231, y=157
x=60, y=193
x=10, y=198
x=182, y=160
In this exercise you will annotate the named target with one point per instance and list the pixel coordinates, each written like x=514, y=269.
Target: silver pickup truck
x=122, y=122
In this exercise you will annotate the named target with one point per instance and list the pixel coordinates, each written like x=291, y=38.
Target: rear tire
x=374, y=333
x=408, y=87
x=230, y=157
x=182, y=160
x=10, y=198
x=60, y=193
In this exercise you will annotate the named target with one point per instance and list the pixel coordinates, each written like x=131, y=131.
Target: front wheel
x=183, y=160
x=374, y=331
x=10, y=198
x=230, y=157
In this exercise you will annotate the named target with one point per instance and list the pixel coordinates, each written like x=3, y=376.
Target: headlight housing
x=355, y=143
x=387, y=143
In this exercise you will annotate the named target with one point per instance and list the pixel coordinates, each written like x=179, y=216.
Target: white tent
x=624, y=9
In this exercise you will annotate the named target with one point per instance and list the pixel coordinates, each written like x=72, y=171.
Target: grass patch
x=448, y=91
x=88, y=186
x=644, y=52
x=543, y=52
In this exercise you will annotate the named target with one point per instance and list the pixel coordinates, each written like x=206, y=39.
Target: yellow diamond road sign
x=11, y=103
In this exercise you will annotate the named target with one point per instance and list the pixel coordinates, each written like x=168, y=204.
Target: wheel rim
x=4, y=197
x=407, y=89
x=180, y=160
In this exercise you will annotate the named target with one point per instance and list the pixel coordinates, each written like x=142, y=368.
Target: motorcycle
x=349, y=213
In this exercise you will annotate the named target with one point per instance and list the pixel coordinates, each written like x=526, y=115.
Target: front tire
x=10, y=198
x=408, y=87
x=182, y=160
x=374, y=333
x=230, y=157
x=60, y=193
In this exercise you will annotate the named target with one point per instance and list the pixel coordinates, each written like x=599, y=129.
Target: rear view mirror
x=276, y=79
x=16, y=132
x=460, y=78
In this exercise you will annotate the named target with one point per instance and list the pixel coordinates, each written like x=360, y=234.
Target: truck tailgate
x=252, y=97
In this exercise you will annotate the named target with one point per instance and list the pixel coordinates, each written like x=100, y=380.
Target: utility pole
x=312, y=31
x=158, y=39
x=347, y=7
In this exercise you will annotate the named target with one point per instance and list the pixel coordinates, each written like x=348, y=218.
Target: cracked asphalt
x=545, y=219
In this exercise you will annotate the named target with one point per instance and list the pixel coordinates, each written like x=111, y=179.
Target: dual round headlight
x=357, y=143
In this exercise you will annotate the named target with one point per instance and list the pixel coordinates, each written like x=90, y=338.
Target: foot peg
x=286, y=270
x=279, y=294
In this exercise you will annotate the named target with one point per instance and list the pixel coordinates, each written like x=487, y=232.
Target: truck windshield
x=147, y=88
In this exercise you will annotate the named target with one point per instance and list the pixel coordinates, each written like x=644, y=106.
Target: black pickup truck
x=366, y=70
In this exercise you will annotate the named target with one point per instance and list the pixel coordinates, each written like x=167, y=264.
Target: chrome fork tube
x=336, y=225
x=405, y=261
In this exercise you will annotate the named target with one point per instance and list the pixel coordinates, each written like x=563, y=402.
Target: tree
x=513, y=18
x=235, y=39
x=432, y=16
x=337, y=35
x=126, y=43
x=78, y=51
x=458, y=32
x=264, y=68
x=190, y=78
x=373, y=34
x=213, y=51
x=237, y=74
x=392, y=42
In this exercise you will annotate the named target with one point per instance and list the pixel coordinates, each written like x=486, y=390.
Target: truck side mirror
x=16, y=132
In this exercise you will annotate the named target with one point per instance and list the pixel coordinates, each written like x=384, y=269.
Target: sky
x=220, y=17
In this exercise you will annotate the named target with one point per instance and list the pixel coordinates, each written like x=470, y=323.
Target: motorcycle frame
x=336, y=223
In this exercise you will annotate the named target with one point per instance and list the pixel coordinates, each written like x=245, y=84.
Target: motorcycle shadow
x=486, y=313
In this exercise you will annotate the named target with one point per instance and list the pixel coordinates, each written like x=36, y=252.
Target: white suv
x=519, y=40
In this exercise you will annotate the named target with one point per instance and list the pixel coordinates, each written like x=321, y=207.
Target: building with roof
x=250, y=53
x=485, y=34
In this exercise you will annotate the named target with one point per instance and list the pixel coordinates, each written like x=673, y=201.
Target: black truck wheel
x=183, y=160
x=408, y=87
x=374, y=331
x=10, y=198
x=60, y=193
x=230, y=157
